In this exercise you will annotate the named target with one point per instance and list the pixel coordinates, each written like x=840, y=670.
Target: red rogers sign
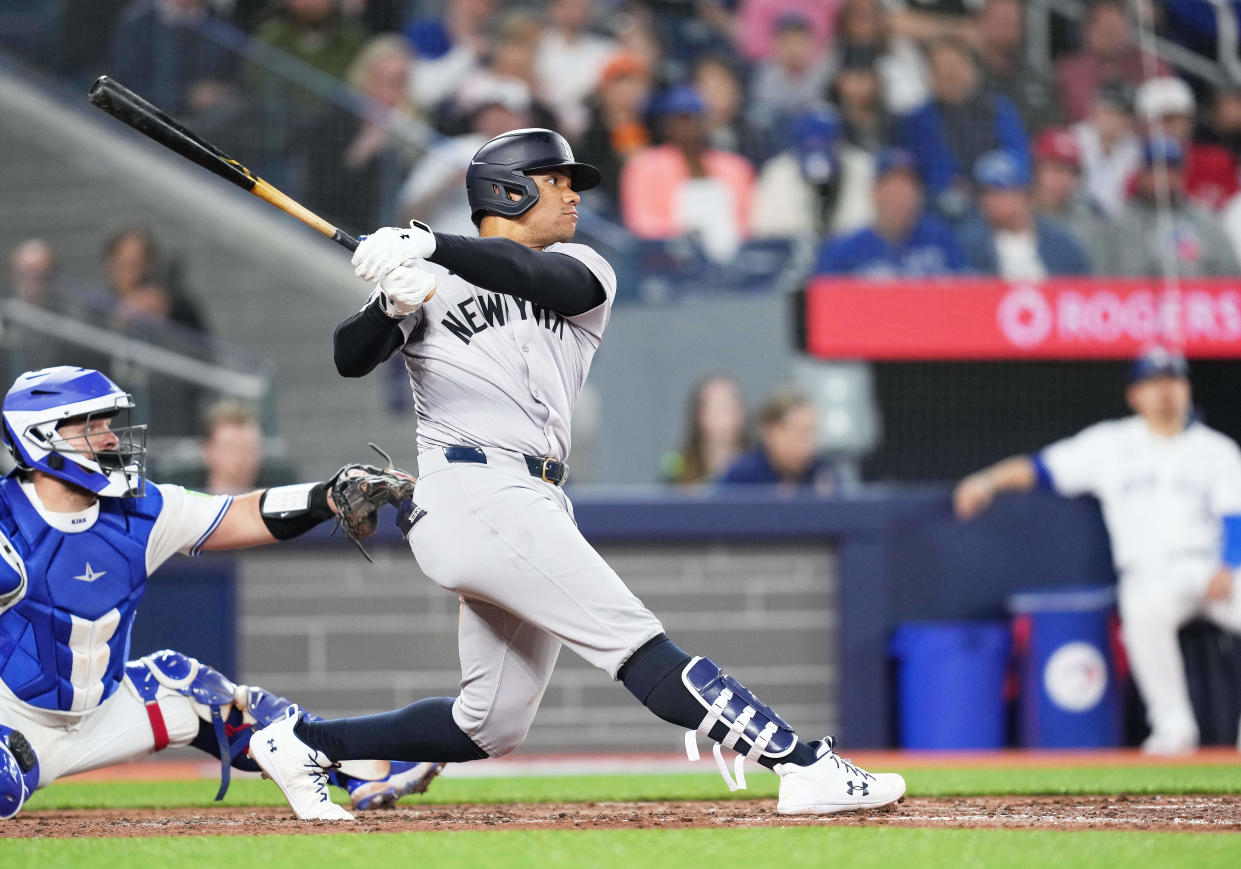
x=1083, y=318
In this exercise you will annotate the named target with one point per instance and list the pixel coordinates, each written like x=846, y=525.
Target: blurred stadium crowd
x=745, y=144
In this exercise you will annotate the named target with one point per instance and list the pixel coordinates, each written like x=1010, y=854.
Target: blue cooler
x=1069, y=693
x=951, y=683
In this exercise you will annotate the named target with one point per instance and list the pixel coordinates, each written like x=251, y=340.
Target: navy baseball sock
x=653, y=675
x=422, y=731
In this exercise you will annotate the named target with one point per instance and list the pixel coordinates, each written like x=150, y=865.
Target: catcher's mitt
x=360, y=490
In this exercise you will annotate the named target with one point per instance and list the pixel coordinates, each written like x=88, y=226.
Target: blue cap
x=1158, y=362
x=815, y=136
x=681, y=100
x=894, y=160
x=1000, y=169
x=1162, y=149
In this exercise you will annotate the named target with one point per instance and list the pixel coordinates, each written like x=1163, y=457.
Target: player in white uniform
x=80, y=532
x=498, y=333
x=1170, y=489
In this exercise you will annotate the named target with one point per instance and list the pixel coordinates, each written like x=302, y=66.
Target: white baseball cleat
x=301, y=772
x=833, y=784
x=1170, y=743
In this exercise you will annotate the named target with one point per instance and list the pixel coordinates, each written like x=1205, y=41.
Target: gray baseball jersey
x=493, y=371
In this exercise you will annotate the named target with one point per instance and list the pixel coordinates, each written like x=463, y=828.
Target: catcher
x=80, y=532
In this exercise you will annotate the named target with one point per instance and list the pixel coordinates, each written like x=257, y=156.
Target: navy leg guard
x=422, y=731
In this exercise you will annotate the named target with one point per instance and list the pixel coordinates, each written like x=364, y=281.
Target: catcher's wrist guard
x=289, y=511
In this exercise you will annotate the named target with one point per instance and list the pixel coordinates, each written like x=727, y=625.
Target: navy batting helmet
x=502, y=165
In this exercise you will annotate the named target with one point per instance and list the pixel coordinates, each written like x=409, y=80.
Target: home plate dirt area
x=1146, y=813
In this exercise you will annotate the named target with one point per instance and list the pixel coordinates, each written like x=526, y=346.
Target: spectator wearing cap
x=819, y=187
x=686, y=187
x=570, y=61
x=865, y=38
x=1165, y=228
x=1058, y=195
x=1006, y=69
x=1170, y=489
x=903, y=241
x=757, y=23
x=1167, y=107
x=961, y=122
x=435, y=190
x=1008, y=239
x=792, y=78
x=1111, y=149
x=618, y=125
x=857, y=94
x=1109, y=55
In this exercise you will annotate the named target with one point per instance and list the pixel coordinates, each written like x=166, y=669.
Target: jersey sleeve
x=185, y=522
x=596, y=319
x=1226, y=480
x=1074, y=464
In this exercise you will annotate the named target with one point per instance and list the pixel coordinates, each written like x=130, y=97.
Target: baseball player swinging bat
x=125, y=105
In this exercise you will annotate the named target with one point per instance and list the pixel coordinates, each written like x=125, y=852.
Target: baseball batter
x=1170, y=489
x=80, y=532
x=497, y=334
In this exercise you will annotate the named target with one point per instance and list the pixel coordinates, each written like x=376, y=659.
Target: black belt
x=547, y=470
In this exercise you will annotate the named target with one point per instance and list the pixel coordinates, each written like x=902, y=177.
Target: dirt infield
x=1197, y=814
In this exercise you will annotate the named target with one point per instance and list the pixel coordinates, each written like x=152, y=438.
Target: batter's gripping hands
x=358, y=492
x=403, y=289
x=391, y=246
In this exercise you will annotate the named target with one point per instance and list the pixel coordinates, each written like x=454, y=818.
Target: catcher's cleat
x=405, y=778
x=833, y=784
x=301, y=772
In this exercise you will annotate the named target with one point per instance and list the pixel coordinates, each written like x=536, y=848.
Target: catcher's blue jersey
x=64, y=640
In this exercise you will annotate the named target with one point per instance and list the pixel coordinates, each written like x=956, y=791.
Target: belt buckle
x=543, y=473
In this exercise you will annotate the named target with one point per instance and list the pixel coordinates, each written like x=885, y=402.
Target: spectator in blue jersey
x=448, y=47
x=1007, y=238
x=959, y=123
x=787, y=455
x=903, y=241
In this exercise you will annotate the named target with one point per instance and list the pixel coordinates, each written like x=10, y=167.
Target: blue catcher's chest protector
x=64, y=642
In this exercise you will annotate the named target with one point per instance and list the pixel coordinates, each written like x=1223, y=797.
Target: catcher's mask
x=108, y=460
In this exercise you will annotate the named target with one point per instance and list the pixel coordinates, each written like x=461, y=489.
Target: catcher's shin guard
x=19, y=772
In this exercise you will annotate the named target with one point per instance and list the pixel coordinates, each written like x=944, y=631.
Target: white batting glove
x=392, y=246
x=403, y=289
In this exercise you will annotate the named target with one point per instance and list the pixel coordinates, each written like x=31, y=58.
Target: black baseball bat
x=126, y=106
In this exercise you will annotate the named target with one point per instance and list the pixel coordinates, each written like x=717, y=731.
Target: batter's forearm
x=552, y=280
x=364, y=340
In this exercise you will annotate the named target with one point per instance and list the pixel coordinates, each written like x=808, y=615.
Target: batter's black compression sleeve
x=553, y=280
x=364, y=340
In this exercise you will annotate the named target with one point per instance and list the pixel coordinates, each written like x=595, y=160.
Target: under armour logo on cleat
x=271, y=746
x=863, y=787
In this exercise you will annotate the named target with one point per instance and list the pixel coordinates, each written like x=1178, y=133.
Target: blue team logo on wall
x=1075, y=677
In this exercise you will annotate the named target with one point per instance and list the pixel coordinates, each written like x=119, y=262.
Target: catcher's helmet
x=502, y=165
x=37, y=404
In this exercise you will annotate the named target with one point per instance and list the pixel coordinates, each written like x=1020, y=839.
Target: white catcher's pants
x=1152, y=609
x=507, y=544
x=113, y=732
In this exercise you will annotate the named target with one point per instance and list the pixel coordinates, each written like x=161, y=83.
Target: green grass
x=787, y=848
x=952, y=781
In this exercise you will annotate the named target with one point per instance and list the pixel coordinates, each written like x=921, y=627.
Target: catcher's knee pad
x=19, y=771
x=213, y=695
x=734, y=717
